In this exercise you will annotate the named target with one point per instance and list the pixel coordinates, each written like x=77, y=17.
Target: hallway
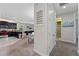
x=64, y=49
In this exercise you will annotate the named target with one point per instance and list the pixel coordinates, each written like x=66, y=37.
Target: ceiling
x=70, y=7
x=24, y=12
x=19, y=12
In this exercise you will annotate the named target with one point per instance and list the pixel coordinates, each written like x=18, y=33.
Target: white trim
x=41, y=54
x=69, y=41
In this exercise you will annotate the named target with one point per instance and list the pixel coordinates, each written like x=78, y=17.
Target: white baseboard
x=68, y=41
x=41, y=54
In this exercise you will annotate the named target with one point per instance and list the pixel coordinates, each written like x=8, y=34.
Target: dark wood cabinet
x=8, y=25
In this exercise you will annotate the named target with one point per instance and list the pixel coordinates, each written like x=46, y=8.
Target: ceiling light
x=64, y=6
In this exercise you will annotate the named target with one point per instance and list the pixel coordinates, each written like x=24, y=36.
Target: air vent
x=62, y=4
x=40, y=17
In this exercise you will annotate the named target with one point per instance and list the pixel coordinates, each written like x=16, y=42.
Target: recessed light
x=64, y=6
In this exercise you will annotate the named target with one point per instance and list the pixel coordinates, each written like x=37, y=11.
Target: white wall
x=43, y=40
x=40, y=37
x=25, y=28
x=68, y=34
x=51, y=27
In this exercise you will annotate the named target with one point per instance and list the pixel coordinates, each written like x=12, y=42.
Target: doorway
x=58, y=28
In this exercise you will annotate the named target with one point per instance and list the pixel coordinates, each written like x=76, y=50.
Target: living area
x=16, y=29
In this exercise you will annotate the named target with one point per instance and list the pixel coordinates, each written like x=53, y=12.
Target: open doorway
x=58, y=28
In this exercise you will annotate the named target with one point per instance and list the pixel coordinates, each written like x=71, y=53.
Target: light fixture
x=64, y=6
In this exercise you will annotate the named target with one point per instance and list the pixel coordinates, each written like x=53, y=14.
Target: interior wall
x=44, y=40
x=46, y=30
x=68, y=34
x=25, y=27
x=51, y=34
x=40, y=30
